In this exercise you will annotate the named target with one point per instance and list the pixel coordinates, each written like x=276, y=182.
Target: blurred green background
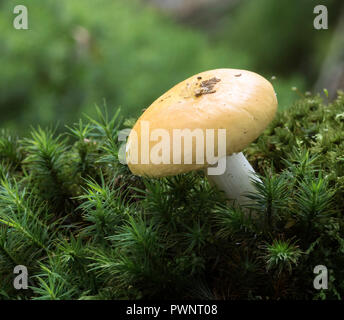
x=80, y=53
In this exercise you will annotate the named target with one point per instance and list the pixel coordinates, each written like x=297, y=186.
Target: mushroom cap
x=240, y=101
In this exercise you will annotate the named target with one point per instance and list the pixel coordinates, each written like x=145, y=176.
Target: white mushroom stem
x=237, y=178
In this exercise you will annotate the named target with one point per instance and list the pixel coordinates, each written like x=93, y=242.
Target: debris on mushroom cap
x=216, y=99
x=206, y=86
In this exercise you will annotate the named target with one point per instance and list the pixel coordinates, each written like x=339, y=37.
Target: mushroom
x=223, y=110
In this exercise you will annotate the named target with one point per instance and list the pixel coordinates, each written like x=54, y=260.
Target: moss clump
x=88, y=229
x=308, y=126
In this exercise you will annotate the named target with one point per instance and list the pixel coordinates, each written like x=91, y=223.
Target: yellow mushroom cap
x=240, y=101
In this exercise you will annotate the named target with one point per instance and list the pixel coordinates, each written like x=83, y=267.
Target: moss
x=310, y=125
x=88, y=229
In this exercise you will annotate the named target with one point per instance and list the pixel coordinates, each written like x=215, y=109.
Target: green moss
x=88, y=229
x=308, y=126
